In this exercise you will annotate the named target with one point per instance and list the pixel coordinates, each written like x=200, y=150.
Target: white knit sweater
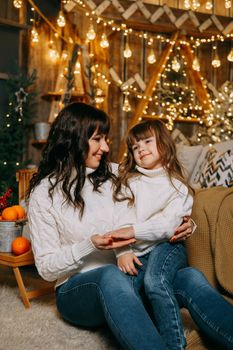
x=60, y=240
x=158, y=210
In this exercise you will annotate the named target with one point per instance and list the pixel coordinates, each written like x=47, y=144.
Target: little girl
x=153, y=197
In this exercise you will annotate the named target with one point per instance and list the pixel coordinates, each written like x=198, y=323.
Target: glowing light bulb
x=61, y=22
x=151, y=59
x=126, y=105
x=195, y=5
x=216, y=63
x=230, y=56
x=34, y=35
x=176, y=65
x=64, y=55
x=208, y=5
x=187, y=4
x=53, y=54
x=77, y=68
x=227, y=4
x=127, y=52
x=99, y=97
x=91, y=34
x=104, y=41
x=17, y=3
x=196, y=64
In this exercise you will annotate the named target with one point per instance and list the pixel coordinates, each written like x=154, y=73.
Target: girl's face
x=97, y=147
x=146, y=154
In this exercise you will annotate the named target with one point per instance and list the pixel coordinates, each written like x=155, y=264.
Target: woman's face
x=97, y=147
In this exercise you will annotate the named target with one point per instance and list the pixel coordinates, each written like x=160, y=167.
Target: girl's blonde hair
x=166, y=149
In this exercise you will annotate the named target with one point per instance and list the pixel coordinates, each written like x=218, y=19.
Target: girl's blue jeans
x=163, y=263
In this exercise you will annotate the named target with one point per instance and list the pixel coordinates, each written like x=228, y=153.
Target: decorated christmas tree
x=14, y=130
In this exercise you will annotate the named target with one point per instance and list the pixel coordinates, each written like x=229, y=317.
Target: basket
x=9, y=230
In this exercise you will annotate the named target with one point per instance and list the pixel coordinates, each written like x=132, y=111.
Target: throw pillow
x=206, y=156
x=187, y=156
x=218, y=170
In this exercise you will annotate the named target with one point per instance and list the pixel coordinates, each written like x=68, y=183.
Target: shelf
x=38, y=143
x=177, y=120
x=52, y=95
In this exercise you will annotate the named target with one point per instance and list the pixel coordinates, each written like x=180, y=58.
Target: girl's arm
x=163, y=225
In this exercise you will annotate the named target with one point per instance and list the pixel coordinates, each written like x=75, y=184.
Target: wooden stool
x=15, y=262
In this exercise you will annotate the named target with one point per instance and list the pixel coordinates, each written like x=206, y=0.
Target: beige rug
x=41, y=327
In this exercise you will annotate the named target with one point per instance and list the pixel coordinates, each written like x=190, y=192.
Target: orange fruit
x=20, y=245
x=9, y=214
x=20, y=211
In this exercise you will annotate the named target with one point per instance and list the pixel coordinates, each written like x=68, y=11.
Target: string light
x=230, y=56
x=209, y=5
x=127, y=51
x=196, y=64
x=216, y=63
x=227, y=4
x=176, y=64
x=34, y=35
x=61, y=21
x=17, y=3
x=104, y=41
x=151, y=59
x=126, y=105
x=53, y=54
x=91, y=34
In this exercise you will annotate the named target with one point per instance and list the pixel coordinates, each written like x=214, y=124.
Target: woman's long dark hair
x=167, y=151
x=66, y=150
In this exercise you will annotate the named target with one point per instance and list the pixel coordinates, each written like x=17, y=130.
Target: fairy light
x=176, y=64
x=17, y=3
x=196, y=64
x=53, y=54
x=77, y=68
x=127, y=53
x=209, y=5
x=104, y=41
x=61, y=21
x=91, y=34
x=227, y=4
x=126, y=105
x=151, y=59
x=216, y=63
x=230, y=56
x=187, y=4
x=34, y=35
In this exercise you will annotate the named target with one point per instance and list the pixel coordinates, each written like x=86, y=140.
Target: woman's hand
x=107, y=242
x=183, y=231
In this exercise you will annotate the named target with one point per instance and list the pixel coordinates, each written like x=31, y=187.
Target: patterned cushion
x=216, y=169
x=212, y=154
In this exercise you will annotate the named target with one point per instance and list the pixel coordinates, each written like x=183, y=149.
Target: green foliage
x=14, y=130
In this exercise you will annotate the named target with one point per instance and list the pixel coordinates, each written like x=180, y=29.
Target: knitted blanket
x=210, y=248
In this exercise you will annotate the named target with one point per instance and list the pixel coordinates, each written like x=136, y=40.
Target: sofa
x=209, y=170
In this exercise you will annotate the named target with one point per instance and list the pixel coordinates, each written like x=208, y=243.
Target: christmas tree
x=14, y=130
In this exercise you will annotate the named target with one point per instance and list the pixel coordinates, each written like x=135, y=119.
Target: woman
x=70, y=208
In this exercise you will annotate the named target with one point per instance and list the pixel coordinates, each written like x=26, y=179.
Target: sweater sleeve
x=53, y=260
x=162, y=225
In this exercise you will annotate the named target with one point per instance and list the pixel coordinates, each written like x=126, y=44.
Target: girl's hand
x=106, y=242
x=121, y=233
x=126, y=263
x=183, y=231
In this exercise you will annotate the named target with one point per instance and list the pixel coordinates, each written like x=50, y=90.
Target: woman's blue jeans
x=106, y=294
x=163, y=263
x=210, y=311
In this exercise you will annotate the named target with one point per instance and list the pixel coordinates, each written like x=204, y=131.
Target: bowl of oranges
x=12, y=221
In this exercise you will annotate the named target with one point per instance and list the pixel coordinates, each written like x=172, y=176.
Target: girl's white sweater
x=158, y=210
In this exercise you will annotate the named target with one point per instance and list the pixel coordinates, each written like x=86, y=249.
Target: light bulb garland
x=17, y=3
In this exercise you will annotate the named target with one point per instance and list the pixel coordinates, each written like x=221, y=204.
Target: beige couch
x=210, y=249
